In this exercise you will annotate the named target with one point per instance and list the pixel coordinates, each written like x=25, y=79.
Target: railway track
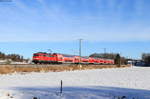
x=47, y=65
x=33, y=65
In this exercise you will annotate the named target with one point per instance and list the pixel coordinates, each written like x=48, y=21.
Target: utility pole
x=105, y=52
x=80, y=45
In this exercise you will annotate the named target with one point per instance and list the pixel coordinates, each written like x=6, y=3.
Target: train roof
x=66, y=55
x=40, y=53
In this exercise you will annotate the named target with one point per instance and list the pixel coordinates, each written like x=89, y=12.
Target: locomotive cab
x=43, y=58
x=38, y=57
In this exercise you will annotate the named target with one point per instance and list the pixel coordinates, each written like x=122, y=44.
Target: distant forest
x=12, y=57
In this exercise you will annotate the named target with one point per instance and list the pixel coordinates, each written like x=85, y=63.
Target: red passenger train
x=51, y=58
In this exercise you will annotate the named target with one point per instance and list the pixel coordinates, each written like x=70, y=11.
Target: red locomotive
x=51, y=58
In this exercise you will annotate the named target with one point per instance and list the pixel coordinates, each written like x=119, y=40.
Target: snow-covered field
x=130, y=83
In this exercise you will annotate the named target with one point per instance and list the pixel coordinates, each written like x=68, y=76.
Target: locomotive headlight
x=35, y=58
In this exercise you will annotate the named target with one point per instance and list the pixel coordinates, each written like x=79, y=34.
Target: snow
x=132, y=83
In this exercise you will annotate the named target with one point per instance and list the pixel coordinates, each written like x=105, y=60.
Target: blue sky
x=122, y=26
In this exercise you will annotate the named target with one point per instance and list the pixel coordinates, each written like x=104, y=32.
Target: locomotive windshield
x=36, y=55
x=39, y=55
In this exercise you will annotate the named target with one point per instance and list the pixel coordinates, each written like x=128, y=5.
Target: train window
x=67, y=55
x=60, y=58
x=50, y=56
x=86, y=57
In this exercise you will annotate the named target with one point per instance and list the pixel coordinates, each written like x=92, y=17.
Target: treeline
x=146, y=58
x=115, y=56
x=13, y=57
